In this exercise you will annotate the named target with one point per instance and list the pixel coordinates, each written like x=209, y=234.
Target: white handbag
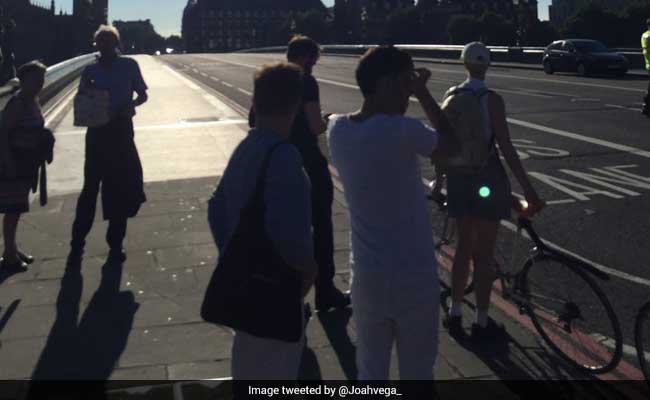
x=92, y=108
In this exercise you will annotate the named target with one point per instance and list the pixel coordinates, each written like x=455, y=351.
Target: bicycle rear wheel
x=572, y=313
x=642, y=339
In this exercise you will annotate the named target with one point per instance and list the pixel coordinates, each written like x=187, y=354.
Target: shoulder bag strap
x=260, y=186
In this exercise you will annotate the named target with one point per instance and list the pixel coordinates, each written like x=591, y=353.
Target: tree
x=312, y=23
x=176, y=43
x=496, y=30
x=541, y=33
x=594, y=22
x=404, y=26
x=634, y=16
x=463, y=29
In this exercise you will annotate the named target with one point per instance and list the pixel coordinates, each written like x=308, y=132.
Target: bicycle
x=570, y=313
x=642, y=339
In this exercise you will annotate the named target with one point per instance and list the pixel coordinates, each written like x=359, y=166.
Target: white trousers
x=396, y=307
x=260, y=359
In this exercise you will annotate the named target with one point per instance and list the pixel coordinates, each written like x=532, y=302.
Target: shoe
x=116, y=255
x=26, y=258
x=488, y=333
x=333, y=298
x=454, y=326
x=14, y=266
x=438, y=198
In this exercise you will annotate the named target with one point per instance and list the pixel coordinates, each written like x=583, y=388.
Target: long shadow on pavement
x=516, y=365
x=87, y=350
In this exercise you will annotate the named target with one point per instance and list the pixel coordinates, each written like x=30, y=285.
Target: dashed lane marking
x=623, y=107
x=246, y=92
x=215, y=79
x=228, y=84
x=498, y=75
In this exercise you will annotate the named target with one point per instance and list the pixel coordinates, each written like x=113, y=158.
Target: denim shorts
x=467, y=194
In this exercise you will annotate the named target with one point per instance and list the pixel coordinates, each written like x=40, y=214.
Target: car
x=583, y=56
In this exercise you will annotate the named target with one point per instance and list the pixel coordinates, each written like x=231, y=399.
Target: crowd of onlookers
x=277, y=188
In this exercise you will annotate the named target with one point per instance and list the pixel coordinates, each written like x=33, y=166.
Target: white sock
x=455, y=309
x=482, y=318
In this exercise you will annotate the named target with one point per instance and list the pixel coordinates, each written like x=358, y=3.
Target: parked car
x=584, y=57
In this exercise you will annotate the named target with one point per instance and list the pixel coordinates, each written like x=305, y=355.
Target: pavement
x=140, y=321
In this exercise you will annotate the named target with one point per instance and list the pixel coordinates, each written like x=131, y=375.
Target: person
x=395, y=283
x=276, y=99
x=112, y=161
x=17, y=174
x=478, y=216
x=309, y=124
x=645, y=45
x=7, y=67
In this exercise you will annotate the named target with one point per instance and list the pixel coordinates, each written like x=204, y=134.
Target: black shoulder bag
x=253, y=289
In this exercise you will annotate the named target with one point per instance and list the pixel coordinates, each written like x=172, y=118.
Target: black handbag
x=253, y=289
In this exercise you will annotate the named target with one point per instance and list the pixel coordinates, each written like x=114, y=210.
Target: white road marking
x=498, y=75
x=178, y=125
x=219, y=105
x=564, y=201
x=575, y=136
x=215, y=79
x=204, y=74
x=228, y=84
x=611, y=271
x=623, y=107
x=548, y=92
x=530, y=125
x=183, y=79
x=246, y=92
x=611, y=343
x=556, y=81
x=523, y=93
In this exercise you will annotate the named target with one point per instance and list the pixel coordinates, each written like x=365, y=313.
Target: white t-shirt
x=377, y=161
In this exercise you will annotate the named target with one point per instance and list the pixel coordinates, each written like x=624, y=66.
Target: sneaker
x=488, y=333
x=454, y=326
x=332, y=298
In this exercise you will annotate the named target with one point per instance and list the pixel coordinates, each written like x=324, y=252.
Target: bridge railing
x=56, y=78
x=525, y=55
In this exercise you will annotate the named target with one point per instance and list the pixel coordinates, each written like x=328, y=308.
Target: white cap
x=476, y=53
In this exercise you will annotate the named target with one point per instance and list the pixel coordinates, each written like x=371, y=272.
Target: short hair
x=278, y=89
x=32, y=67
x=107, y=29
x=301, y=46
x=380, y=62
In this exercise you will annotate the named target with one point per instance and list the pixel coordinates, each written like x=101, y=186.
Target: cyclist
x=478, y=201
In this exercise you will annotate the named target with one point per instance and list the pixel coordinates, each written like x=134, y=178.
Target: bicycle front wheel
x=572, y=314
x=642, y=339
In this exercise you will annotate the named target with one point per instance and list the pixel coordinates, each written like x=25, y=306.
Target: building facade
x=226, y=25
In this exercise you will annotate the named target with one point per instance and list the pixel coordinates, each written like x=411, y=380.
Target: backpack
x=465, y=114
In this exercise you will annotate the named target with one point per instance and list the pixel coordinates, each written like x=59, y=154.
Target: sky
x=166, y=14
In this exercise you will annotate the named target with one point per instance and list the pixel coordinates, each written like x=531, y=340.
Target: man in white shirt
x=395, y=283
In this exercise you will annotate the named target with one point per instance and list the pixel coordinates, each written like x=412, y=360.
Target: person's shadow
x=6, y=273
x=87, y=350
x=335, y=324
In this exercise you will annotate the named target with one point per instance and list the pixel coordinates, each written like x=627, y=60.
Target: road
x=583, y=141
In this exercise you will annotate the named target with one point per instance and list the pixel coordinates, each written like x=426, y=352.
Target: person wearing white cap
x=478, y=200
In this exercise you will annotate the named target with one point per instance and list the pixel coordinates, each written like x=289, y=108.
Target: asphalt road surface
x=583, y=141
